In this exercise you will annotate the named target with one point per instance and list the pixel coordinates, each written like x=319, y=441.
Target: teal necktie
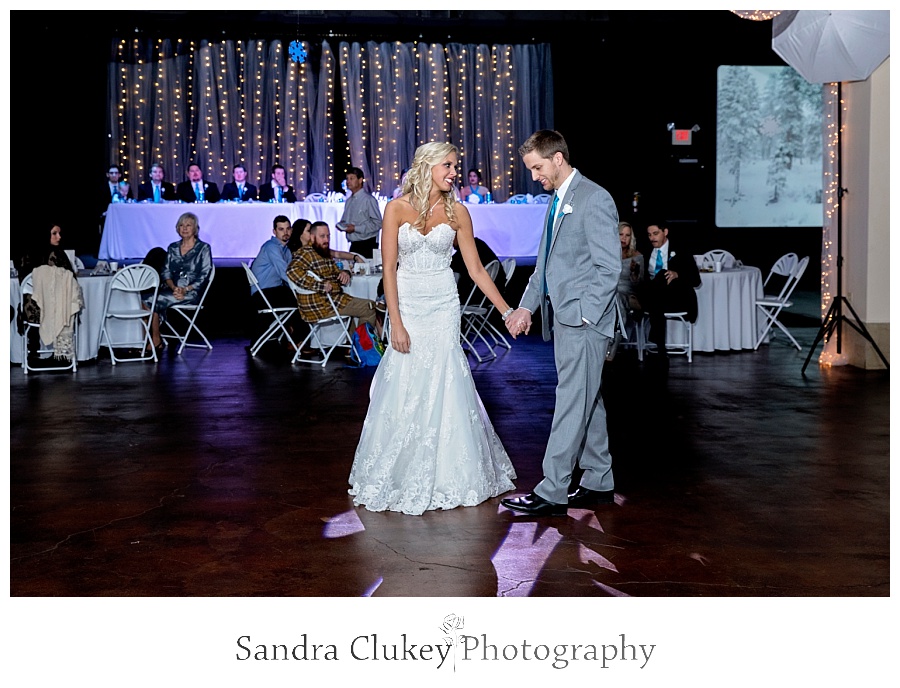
x=550, y=218
x=155, y=194
x=659, y=263
x=197, y=191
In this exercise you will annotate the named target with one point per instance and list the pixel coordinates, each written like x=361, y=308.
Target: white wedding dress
x=427, y=442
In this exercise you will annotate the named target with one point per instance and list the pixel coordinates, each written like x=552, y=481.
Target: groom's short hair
x=546, y=143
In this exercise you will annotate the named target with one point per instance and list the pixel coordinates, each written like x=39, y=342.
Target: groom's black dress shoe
x=533, y=505
x=583, y=498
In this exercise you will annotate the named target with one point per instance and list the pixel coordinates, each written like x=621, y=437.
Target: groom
x=574, y=285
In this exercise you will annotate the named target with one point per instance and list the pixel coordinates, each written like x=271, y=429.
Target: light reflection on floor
x=518, y=560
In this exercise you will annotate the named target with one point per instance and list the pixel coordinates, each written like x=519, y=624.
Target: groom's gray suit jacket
x=584, y=262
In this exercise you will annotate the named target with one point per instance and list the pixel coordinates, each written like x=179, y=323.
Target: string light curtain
x=220, y=103
x=831, y=104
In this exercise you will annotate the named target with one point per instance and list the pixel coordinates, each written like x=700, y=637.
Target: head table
x=237, y=230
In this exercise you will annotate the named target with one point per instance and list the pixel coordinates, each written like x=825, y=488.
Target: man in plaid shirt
x=316, y=258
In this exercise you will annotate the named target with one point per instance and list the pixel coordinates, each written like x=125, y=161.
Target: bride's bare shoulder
x=400, y=210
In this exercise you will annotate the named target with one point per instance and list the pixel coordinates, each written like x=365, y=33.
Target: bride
x=427, y=442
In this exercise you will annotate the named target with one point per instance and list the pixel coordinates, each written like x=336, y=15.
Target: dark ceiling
x=431, y=25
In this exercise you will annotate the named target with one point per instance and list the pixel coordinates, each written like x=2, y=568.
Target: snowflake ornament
x=297, y=52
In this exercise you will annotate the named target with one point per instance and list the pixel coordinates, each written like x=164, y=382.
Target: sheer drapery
x=219, y=103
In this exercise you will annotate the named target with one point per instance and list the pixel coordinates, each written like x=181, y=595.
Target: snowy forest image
x=768, y=148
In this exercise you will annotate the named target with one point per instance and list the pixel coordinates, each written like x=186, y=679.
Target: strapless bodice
x=419, y=252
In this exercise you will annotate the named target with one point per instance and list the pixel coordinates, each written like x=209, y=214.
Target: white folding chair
x=474, y=314
x=487, y=327
x=679, y=341
x=78, y=264
x=189, y=313
x=343, y=340
x=280, y=315
x=316, y=198
x=72, y=364
x=710, y=258
x=782, y=268
x=541, y=198
x=518, y=198
x=771, y=306
x=126, y=286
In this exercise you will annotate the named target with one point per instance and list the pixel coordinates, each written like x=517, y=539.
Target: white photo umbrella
x=832, y=45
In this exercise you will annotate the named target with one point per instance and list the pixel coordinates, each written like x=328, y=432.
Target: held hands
x=179, y=293
x=399, y=338
x=519, y=322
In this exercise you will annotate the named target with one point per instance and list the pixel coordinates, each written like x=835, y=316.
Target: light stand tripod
x=835, y=317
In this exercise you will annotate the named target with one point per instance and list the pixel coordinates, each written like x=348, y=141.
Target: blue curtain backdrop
x=220, y=103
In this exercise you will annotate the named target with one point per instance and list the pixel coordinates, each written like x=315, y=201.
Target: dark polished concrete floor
x=215, y=474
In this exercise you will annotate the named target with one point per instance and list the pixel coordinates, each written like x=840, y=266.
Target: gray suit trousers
x=578, y=434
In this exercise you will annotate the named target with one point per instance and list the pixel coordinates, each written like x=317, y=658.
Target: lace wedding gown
x=427, y=442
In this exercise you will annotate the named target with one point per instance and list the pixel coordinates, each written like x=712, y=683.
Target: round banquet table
x=726, y=309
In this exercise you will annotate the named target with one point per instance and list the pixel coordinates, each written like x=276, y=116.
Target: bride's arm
x=389, y=251
x=465, y=237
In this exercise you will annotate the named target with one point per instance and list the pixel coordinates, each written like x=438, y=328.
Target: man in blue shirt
x=270, y=268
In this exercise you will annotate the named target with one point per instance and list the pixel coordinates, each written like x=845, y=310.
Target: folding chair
x=126, y=286
x=541, y=198
x=189, y=312
x=771, y=306
x=473, y=316
x=782, y=268
x=710, y=258
x=72, y=364
x=679, y=341
x=280, y=316
x=315, y=335
x=487, y=327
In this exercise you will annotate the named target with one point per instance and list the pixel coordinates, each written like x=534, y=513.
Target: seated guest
x=632, y=270
x=239, y=189
x=270, y=268
x=187, y=269
x=277, y=190
x=196, y=189
x=316, y=258
x=300, y=234
x=157, y=189
x=474, y=191
x=398, y=192
x=361, y=220
x=46, y=249
x=464, y=284
x=668, y=287
x=116, y=188
x=304, y=238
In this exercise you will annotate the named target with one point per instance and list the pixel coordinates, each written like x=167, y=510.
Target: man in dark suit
x=670, y=279
x=157, y=189
x=114, y=186
x=277, y=190
x=196, y=189
x=239, y=189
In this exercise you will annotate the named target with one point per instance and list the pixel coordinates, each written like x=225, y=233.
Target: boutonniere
x=672, y=254
x=567, y=209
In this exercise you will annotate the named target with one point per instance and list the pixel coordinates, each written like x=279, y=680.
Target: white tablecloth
x=91, y=319
x=726, y=310
x=237, y=230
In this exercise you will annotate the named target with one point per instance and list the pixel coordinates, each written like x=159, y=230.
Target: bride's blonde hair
x=418, y=180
